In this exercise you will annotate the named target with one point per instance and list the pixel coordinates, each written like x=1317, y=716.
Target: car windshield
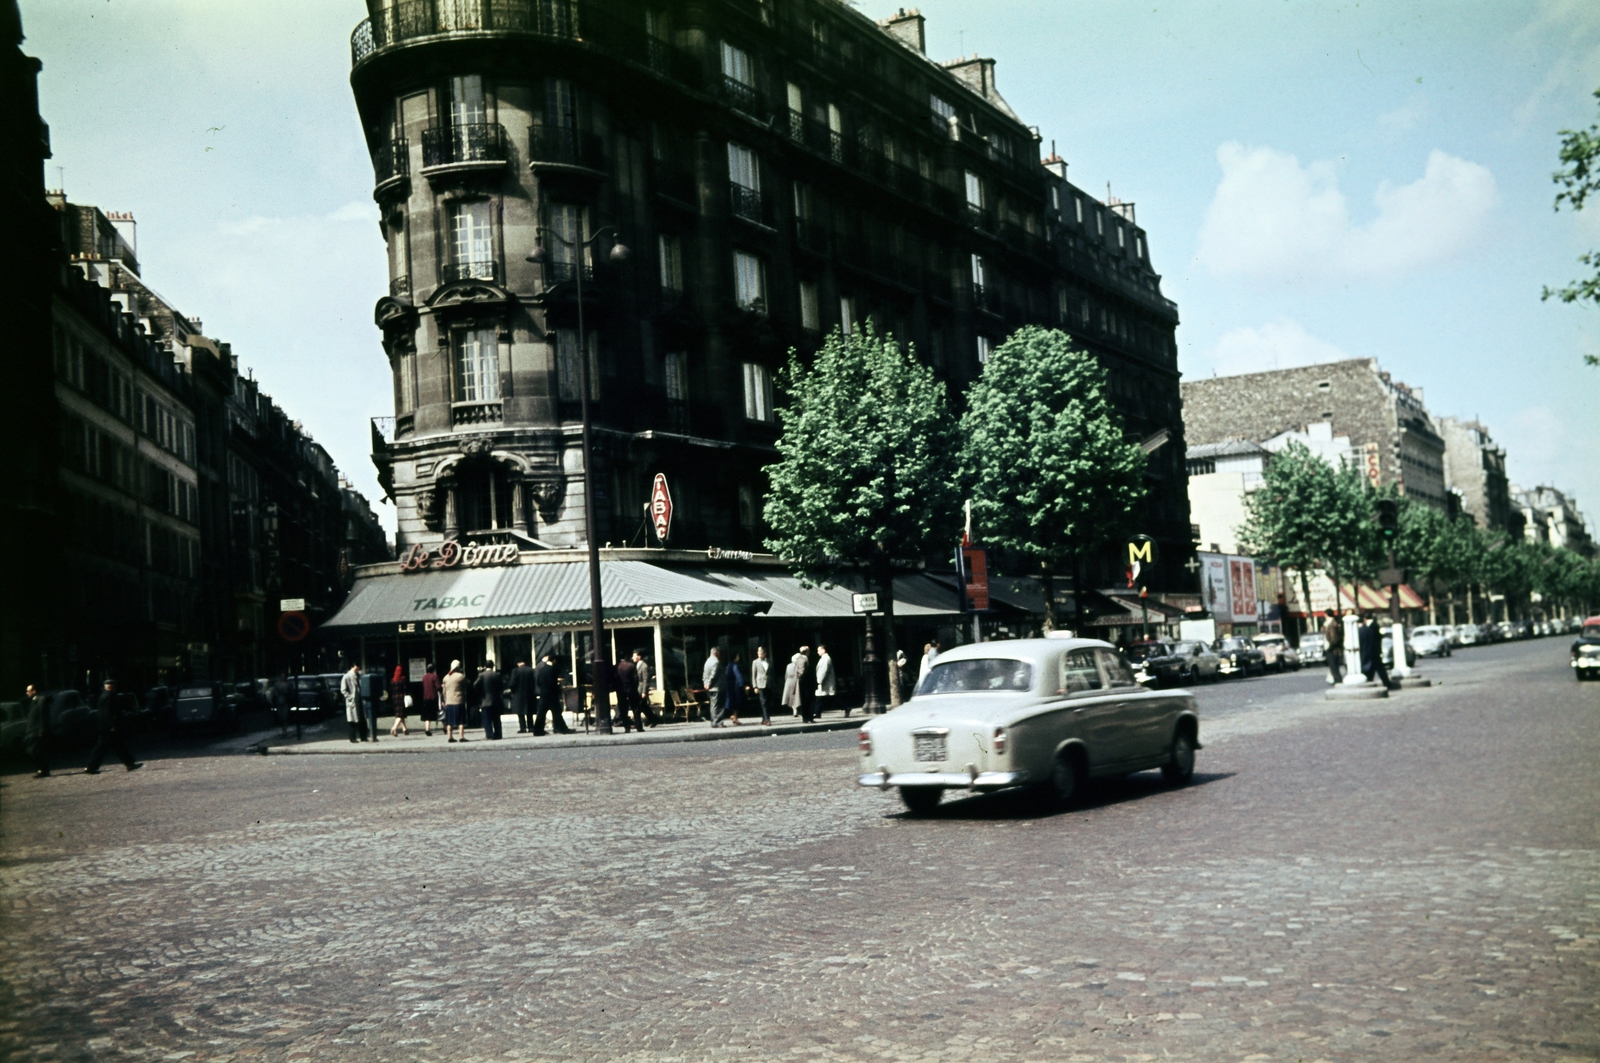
x=1234, y=644
x=990, y=673
x=195, y=692
x=1188, y=649
x=1140, y=651
x=1591, y=631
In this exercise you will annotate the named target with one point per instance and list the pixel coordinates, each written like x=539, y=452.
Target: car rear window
x=1591, y=631
x=195, y=692
x=988, y=673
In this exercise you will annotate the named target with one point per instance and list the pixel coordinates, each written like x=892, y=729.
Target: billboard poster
x=1214, y=587
x=1242, y=589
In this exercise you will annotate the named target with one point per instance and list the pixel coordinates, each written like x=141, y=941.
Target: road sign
x=1390, y=576
x=661, y=508
x=292, y=605
x=1142, y=550
x=293, y=626
x=864, y=603
x=975, y=578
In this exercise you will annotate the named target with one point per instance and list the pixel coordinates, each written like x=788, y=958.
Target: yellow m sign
x=1142, y=550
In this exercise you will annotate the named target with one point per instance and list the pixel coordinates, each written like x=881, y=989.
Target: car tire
x=1066, y=779
x=1179, y=768
x=921, y=800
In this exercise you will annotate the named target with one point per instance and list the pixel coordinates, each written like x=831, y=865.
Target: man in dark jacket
x=523, y=696
x=492, y=699
x=109, y=722
x=641, y=672
x=627, y=688
x=1371, y=645
x=36, y=743
x=547, y=685
x=282, y=702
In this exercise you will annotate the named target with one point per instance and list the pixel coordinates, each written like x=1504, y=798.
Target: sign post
x=1141, y=552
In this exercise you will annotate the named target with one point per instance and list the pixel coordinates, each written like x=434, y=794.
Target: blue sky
x=1318, y=181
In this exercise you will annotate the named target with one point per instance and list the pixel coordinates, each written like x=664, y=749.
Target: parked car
x=1431, y=640
x=1388, y=650
x=311, y=699
x=1141, y=655
x=1469, y=635
x=1241, y=657
x=13, y=726
x=1586, y=650
x=71, y=718
x=200, y=706
x=1280, y=656
x=1313, y=648
x=1050, y=713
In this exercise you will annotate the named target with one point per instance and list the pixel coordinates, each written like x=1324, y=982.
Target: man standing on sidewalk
x=491, y=699
x=714, y=677
x=108, y=720
x=1372, y=652
x=350, y=690
x=760, y=672
x=548, y=686
x=827, y=681
x=36, y=742
x=801, y=664
x=522, y=696
x=641, y=671
x=1333, y=646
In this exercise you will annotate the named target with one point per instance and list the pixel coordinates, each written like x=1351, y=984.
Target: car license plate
x=931, y=749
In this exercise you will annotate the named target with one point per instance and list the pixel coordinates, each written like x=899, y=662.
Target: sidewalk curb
x=522, y=744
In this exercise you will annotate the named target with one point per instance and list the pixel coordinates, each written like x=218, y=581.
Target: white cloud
x=1273, y=218
x=1280, y=344
x=1404, y=118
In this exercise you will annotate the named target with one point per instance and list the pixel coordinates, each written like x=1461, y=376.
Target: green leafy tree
x=1579, y=177
x=867, y=464
x=1052, y=476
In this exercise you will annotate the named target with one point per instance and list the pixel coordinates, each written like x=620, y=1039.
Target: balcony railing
x=469, y=142
x=392, y=161
x=810, y=235
x=402, y=20
x=743, y=97
x=480, y=270
x=563, y=146
x=475, y=413
x=562, y=272
x=986, y=299
x=746, y=203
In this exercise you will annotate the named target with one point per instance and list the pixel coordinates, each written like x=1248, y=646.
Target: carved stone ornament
x=472, y=448
x=548, y=495
x=469, y=293
x=391, y=312
x=428, y=509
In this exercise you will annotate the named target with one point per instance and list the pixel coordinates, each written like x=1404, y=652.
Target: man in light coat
x=714, y=676
x=827, y=681
x=799, y=671
x=760, y=671
x=930, y=653
x=641, y=671
x=350, y=690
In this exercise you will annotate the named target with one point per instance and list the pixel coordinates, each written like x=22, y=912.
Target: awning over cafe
x=914, y=594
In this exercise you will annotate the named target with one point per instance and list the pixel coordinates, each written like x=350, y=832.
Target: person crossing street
x=111, y=727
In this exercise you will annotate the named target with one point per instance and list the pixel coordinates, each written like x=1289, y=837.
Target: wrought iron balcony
x=563, y=272
x=468, y=145
x=391, y=162
x=746, y=203
x=399, y=21
x=743, y=97
x=475, y=413
x=481, y=270
x=563, y=146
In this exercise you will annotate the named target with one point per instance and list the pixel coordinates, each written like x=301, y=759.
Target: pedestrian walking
x=523, y=696
x=491, y=699
x=735, y=682
x=714, y=677
x=902, y=674
x=36, y=740
x=805, y=680
x=400, y=701
x=930, y=653
x=350, y=690
x=1333, y=646
x=760, y=673
x=1371, y=646
x=454, y=692
x=641, y=672
x=827, y=681
x=794, y=683
x=282, y=696
x=429, y=713
x=111, y=728
x=547, y=685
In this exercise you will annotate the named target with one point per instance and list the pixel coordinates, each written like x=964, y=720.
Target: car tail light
x=864, y=740
x=999, y=740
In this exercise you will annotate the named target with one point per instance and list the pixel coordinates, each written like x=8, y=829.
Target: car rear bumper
x=1586, y=664
x=982, y=780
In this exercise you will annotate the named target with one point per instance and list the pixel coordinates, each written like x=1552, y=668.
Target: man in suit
x=491, y=699
x=36, y=742
x=523, y=696
x=714, y=677
x=827, y=681
x=760, y=676
x=350, y=691
x=641, y=672
x=547, y=685
x=109, y=723
x=1371, y=645
x=627, y=688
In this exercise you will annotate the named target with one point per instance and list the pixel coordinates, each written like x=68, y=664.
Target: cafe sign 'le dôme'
x=452, y=554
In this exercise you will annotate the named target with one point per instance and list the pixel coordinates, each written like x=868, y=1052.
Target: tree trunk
x=1079, y=615
x=885, y=579
x=1047, y=577
x=1472, y=617
x=1305, y=588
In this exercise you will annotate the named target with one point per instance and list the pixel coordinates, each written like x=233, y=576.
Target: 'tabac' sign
x=661, y=508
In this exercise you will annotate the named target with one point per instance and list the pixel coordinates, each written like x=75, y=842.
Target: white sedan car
x=1050, y=713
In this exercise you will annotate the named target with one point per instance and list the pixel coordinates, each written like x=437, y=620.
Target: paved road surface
x=1417, y=878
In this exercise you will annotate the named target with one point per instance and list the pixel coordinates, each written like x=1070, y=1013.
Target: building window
x=943, y=109
x=1083, y=309
x=810, y=310
x=467, y=106
x=569, y=371
x=742, y=168
x=1138, y=247
x=405, y=383
x=749, y=281
x=1122, y=237
x=477, y=365
x=757, y=392
x=670, y=253
x=985, y=345
x=736, y=65
x=1079, y=200
x=979, y=274
x=472, y=242
x=847, y=315
x=567, y=222
x=1055, y=198
x=677, y=377
x=1099, y=222
x=796, y=99
x=974, y=191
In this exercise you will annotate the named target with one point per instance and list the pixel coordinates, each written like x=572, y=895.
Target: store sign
x=666, y=612
x=864, y=603
x=291, y=605
x=974, y=575
x=717, y=553
x=454, y=554
x=661, y=508
x=1374, y=464
x=428, y=627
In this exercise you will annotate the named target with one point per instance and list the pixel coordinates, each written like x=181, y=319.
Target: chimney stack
x=907, y=26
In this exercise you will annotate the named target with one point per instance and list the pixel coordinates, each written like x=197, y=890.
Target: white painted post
x=1352, y=651
x=1397, y=635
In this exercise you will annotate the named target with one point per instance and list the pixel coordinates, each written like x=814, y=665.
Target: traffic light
x=1388, y=518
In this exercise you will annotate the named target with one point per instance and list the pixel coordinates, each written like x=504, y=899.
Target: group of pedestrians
x=809, y=687
x=111, y=731
x=1369, y=644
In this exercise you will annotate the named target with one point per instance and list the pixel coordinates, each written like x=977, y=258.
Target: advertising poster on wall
x=1242, y=589
x=1214, y=586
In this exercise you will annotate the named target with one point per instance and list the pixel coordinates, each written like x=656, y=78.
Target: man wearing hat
x=109, y=724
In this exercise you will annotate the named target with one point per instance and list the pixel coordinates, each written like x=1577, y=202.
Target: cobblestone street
x=1416, y=878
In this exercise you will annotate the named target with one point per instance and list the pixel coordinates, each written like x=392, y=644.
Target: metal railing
x=480, y=270
x=743, y=97
x=746, y=203
x=475, y=413
x=562, y=272
x=564, y=146
x=392, y=160
x=398, y=21
x=465, y=143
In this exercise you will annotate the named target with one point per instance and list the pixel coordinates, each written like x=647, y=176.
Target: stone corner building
x=1390, y=430
x=779, y=171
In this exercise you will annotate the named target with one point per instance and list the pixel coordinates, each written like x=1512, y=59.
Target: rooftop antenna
x=61, y=178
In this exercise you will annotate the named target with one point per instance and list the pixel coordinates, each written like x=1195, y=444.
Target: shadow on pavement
x=1023, y=803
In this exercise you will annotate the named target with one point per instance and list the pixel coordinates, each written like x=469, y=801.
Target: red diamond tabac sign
x=661, y=508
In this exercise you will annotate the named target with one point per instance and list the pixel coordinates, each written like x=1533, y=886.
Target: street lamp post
x=600, y=662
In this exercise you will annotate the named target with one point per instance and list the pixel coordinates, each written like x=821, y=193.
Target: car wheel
x=1066, y=778
x=1179, y=769
x=921, y=800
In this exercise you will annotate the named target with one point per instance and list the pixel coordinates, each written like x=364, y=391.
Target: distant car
x=1047, y=713
x=311, y=698
x=1469, y=635
x=1313, y=648
x=1280, y=656
x=1149, y=660
x=204, y=706
x=13, y=726
x=1431, y=640
x=1586, y=650
x=71, y=718
x=1388, y=651
x=1241, y=657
